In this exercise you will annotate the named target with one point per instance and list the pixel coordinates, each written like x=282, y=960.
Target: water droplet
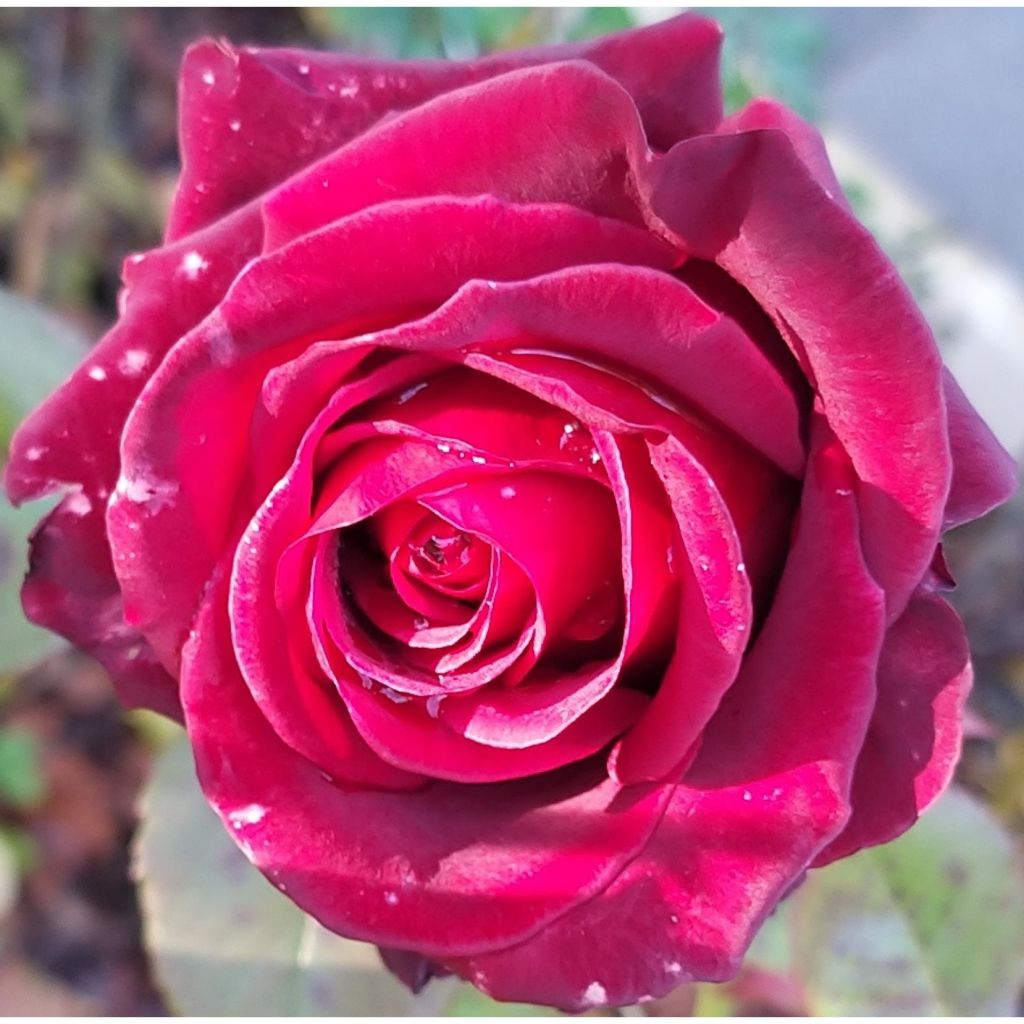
x=741, y=567
x=193, y=264
x=251, y=814
x=747, y=795
x=133, y=362
x=78, y=504
x=410, y=392
x=303, y=69
x=443, y=447
x=479, y=460
x=508, y=492
x=98, y=373
x=209, y=77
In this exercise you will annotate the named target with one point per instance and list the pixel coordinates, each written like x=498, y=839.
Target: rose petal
x=873, y=358
x=449, y=869
x=768, y=790
x=913, y=742
x=191, y=426
x=251, y=117
x=984, y=474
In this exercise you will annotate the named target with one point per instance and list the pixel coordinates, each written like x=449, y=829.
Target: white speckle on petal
x=444, y=448
x=843, y=492
x=251, y=814
x=209, y=77
x=742, y=567
x=98, y=373
x=78, y=504
x=235, y=125
x=193, y=264
x=34, y=454
x=595, y=994
x=156, y=494
x=508, y=492
x=133, y=362
x=493, y=285
x=303, y=69
x=479, y=460
x=747, y=795
x=391, y=898
x=410, y=392
x=705, y=565
x=673, y=968
x=222, y=344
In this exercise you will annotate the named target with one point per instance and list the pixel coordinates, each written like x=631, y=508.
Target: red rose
x=530, y=486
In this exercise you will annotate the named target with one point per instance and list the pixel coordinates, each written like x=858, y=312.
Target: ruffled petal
x=251, y=117
x=768, y=790
x=984, y=474
x=871, y=355
x=913, y=742
x=184, y=448
x=447, y=870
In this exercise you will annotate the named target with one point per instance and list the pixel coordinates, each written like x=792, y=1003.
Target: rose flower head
x=527, y=487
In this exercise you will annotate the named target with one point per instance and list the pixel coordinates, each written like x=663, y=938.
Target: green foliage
x=223, y=940
x=21, y=781
x=768, y=52
x=931, y=924
x=37, y=352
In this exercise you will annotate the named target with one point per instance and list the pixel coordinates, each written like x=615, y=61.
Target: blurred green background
x=88, y=161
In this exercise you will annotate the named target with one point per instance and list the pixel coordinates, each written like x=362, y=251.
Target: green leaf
x=21, y=779
x=930, y=924
x=224, y=941
x=21, y=642
x=37, y=352
x=469, y=1002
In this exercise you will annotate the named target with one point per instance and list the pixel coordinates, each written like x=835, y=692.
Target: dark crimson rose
x=528, y=487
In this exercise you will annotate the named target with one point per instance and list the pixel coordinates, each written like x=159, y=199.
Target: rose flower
x=527, y=487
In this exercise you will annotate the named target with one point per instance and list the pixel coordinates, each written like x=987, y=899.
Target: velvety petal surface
x=447, y=870
x=769, y=788
x=913, y=742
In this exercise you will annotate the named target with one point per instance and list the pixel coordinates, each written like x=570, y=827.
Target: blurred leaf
x=223, y=940
x=469, y=1002
x=930, y=924
x=37, y=352
x=599, y=21
x=21, y=779
x=769, y=52
x=21, y=642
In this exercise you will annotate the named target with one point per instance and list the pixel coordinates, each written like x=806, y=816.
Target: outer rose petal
x=984, y=474
x=449, y=870
x=913, y=742
x=768, y=789
x=185, y=442
x=71, y=441
x=873, y=359
x=69, y=589
x=252, y=117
